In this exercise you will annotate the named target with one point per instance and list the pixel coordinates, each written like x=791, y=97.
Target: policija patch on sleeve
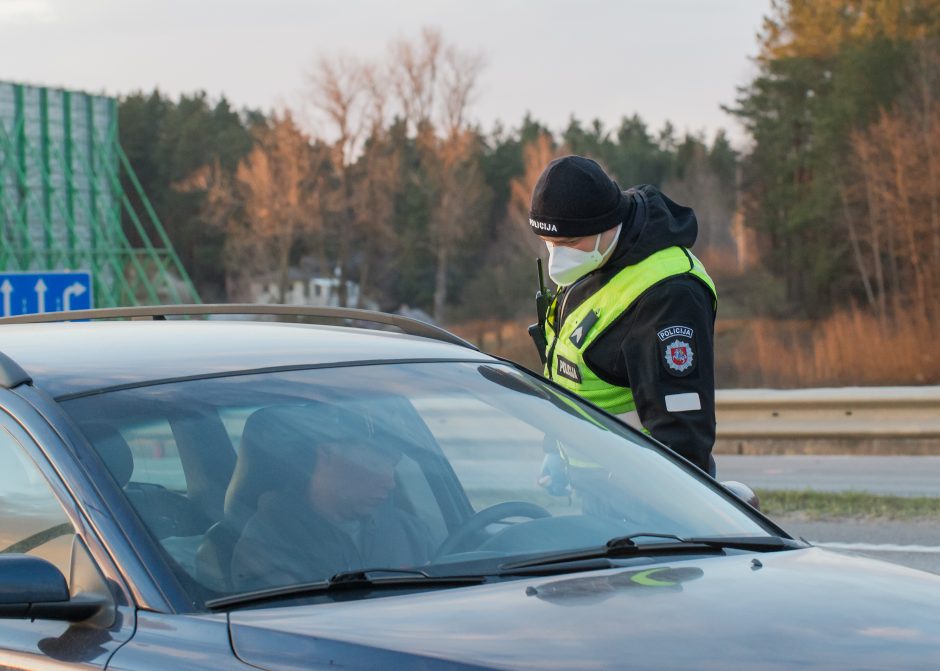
x=677, y=349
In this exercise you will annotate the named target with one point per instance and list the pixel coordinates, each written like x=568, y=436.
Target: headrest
x=112, y=448
x=278, y=450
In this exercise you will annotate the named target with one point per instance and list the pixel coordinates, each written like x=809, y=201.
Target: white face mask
x=566, y=264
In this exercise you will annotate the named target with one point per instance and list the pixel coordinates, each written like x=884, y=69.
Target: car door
x=39, y=518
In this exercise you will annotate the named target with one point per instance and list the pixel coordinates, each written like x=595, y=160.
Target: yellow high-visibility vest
x=565, y=357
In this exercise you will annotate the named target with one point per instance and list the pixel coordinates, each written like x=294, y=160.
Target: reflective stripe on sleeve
x=683, y=402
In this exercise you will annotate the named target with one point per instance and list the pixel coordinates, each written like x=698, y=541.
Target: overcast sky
x=675, y=60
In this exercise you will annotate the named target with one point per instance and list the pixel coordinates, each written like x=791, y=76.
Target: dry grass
x=847, y=349
x=509, y=339
x=861, y=506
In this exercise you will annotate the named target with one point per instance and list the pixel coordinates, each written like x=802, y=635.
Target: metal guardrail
x=839, y=413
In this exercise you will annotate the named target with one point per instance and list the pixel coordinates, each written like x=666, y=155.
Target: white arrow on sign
x=6, y=289
x=76, y=289
x=41, y=296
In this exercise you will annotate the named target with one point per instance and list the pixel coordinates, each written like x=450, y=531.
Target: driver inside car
x=328, y=504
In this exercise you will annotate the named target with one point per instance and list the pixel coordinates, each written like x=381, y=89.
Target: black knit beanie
x=574, y=197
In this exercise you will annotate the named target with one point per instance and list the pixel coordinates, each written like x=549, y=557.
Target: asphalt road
x=915, y=544
x=899, y=475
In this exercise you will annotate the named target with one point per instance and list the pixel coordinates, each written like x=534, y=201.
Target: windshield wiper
x=754, y=543
x=367, y=580
x=626, y=546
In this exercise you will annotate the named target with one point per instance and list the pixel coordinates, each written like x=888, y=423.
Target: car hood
x=788, y=610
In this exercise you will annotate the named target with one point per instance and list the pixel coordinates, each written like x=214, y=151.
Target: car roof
x=66, y=358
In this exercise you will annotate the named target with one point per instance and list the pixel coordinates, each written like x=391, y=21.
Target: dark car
x=185, y=493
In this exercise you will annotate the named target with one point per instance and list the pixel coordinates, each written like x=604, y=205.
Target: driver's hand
x=554, y=475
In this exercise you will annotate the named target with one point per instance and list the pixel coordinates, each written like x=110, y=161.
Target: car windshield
x=273, y=479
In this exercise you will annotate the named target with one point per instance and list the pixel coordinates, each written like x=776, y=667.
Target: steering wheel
x=483, y=518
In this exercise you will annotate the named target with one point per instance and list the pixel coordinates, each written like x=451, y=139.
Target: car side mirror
x=32, y=588
x=743, y=492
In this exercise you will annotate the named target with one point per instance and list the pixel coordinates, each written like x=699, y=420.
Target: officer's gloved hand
x=554, y=475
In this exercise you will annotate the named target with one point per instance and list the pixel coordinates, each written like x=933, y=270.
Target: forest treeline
x=824, y=233
x=842, y=191
x=843, y=181
x=396, y=190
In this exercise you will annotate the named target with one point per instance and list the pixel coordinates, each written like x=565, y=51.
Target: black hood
x=787, y=611
x=653, y=222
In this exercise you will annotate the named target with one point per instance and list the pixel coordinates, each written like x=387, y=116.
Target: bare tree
x=353, y=98
x=893, y=190
x=431, y=86
x=434, y=85
x=459, y=188
x=266, y=208
x=700, y=183
x=223, y=209
x=339, y=88
x=376, y=85
x=535, y=156
x=274, y=185
x=413, y=72
x=376, y=184
x=927, y=98
x=460, y=75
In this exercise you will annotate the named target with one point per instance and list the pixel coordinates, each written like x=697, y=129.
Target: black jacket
x=285, y=543
x=633, y=351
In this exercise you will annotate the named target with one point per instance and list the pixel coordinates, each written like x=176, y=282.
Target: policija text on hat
x=631, y=325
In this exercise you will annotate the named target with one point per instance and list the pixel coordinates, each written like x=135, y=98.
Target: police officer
x=631, y=327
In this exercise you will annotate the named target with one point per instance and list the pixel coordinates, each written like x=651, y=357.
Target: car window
x=502, y=463
x=33, y=521
x=234, y=421
x=155, y=454
x=274, y=478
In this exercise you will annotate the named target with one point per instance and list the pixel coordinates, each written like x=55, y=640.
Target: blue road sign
x=35, y=293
